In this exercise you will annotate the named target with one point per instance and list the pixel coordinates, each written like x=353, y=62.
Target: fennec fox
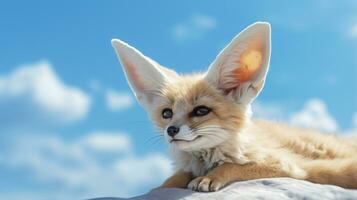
x=205, y=119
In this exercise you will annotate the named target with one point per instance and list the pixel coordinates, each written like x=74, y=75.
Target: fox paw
x=205, y=184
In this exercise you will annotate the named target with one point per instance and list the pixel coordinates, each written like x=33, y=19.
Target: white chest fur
x=200, y=162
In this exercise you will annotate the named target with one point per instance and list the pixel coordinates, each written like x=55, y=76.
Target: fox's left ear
x=145, y=76
x=240, y=69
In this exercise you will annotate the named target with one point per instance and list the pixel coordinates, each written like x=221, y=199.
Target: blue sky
x=69, y=125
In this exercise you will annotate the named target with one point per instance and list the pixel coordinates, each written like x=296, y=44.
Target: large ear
x=146, y=77
x=240, y=69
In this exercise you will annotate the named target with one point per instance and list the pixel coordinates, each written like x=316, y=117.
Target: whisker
x=156, y=141
x=209, y=130
x=158, y=129
x=212, y=132
x=215, y=137
x=153, y=138
x=210, y=126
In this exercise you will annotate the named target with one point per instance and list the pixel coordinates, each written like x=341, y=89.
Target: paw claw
x=204, y=184
x=215, y=186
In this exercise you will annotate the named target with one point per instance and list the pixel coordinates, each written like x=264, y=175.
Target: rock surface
x=277, y=188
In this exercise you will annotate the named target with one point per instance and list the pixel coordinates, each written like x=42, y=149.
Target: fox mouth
x=183, y=140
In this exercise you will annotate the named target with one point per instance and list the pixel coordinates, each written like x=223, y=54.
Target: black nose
x=172, y=130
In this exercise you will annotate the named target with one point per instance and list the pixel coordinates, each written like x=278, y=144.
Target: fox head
x=201, y=111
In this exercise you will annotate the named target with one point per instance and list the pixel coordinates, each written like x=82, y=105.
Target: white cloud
x=107, y=142
x=82, y=174
x=353, y=129
x=194, y=27
x=353, y=31
x=94, y=85
x=314, y=115
x=36, y=90
x=267, y=111
x=118, y=101
x=131, y=170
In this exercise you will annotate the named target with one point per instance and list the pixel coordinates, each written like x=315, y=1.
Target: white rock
x=277, y=188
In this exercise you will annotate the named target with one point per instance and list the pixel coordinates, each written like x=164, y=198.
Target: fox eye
x=167, y=113
x=200, y=111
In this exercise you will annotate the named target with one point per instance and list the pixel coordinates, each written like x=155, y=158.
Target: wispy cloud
x=353, y=129
x=352, y=32
x=107, y=142
x=314, y=115
x=80, y=170
x=94, y=85
x=354, y=121
x=36, y=90
x=131, y=169
x=267, y=110
x=194, y=27
x=118, y=100
x=317, y=15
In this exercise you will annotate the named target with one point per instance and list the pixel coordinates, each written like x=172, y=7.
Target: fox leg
x=179, y=180
x=230, y=172
x=341, y=172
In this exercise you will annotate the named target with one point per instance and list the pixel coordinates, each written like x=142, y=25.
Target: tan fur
x=225, y=145
x=256, y=149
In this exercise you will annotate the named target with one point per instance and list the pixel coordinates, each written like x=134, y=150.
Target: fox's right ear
x=239, y=71
x=146, y=77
